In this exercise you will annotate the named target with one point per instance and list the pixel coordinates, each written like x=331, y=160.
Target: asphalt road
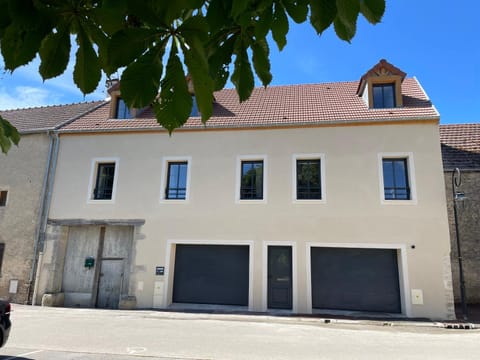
x=57, y=333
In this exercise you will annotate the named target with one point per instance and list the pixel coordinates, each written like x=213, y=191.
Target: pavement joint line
x=181, y=315
x=23, y=355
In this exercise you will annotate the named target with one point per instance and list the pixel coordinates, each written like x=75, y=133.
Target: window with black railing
x=251, y=185
x=176, y=181
x=309, y=185
x=104, y=182
x=395, y=179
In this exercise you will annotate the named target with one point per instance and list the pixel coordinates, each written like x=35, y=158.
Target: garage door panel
x=211, y=274
x=355, y=279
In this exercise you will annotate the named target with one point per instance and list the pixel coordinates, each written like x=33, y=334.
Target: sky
x=438, y=42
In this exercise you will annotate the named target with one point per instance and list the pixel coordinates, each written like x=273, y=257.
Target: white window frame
x=238, y=177
x=163, y=183
x=411, y=177
x=93, y=178
x=296, y=157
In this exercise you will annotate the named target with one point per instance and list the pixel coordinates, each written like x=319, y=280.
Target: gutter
x=46, y=195
x=271, y=125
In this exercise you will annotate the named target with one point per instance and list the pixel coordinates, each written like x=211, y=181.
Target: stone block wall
x=21, y=174
x=468, y=214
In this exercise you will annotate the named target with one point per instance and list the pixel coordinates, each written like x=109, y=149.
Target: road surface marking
x=134, y=350
x=23, y=355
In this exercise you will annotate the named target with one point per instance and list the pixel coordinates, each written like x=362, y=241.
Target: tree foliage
x=198, y=37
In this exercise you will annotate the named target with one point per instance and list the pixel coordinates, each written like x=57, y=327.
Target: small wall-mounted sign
x=160, y=270
x=13, y=286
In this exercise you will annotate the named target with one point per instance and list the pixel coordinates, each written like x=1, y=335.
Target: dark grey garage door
x=355, y=279
x=211, y=274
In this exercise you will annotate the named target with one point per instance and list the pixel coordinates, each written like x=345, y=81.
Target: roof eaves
x=35, y=131
x=256, y=126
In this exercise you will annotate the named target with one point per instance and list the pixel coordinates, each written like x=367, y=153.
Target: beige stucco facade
x=352, y=212
x=22, y=174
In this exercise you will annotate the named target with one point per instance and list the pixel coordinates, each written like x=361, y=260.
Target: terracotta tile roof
x=460, y=146
x=47, y=117
x=290, y=105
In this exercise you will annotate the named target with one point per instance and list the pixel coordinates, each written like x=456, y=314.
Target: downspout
x=46, y=195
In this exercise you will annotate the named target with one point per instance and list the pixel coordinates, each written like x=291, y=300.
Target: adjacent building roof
x=460, y=146
x=44, y=118
x=292, y=105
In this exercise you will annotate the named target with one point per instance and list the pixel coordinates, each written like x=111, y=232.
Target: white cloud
x=25, y=96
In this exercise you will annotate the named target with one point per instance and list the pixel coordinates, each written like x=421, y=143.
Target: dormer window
x=121, y=110
x=381, y=86
x=194, y=111
x=383, y=96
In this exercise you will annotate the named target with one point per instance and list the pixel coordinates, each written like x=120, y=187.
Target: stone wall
x=21, y=174
x=468, y=214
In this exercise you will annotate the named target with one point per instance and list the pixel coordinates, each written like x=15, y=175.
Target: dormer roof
x=382, y=68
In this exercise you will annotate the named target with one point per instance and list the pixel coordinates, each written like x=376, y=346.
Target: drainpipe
x=44, y=208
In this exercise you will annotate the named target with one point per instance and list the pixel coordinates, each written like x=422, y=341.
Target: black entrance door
x=280, y=277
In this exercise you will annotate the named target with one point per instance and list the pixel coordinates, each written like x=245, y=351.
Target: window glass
x=104, y=182
x=251, y=187
x=2, y=250
x=176, y=181
x=395, y=179
x=122, y=110
x=3, y=198
x=383, y=96
x=309, y=179
x=194, y=111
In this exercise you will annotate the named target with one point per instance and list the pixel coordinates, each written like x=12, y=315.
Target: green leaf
x=280, y=26
x=194, y=31
x=242, y=76
x=346, y=21
x=264, y=23
x=87, y=72
x=54, y=53
x=111, y=14
x=373, y=10
x=219, y=61
x=195, y=27
x=261, y=61
x=323, y=12
x=202, y=83
x=239, y=7
x=126, y=45
x=297, y=9
x=8, y=135
x=217, y=16
x=343, y=32
x=102, y=42
x=5, y=19
x=173, y=108
x=20, y=45
x=140, y=81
